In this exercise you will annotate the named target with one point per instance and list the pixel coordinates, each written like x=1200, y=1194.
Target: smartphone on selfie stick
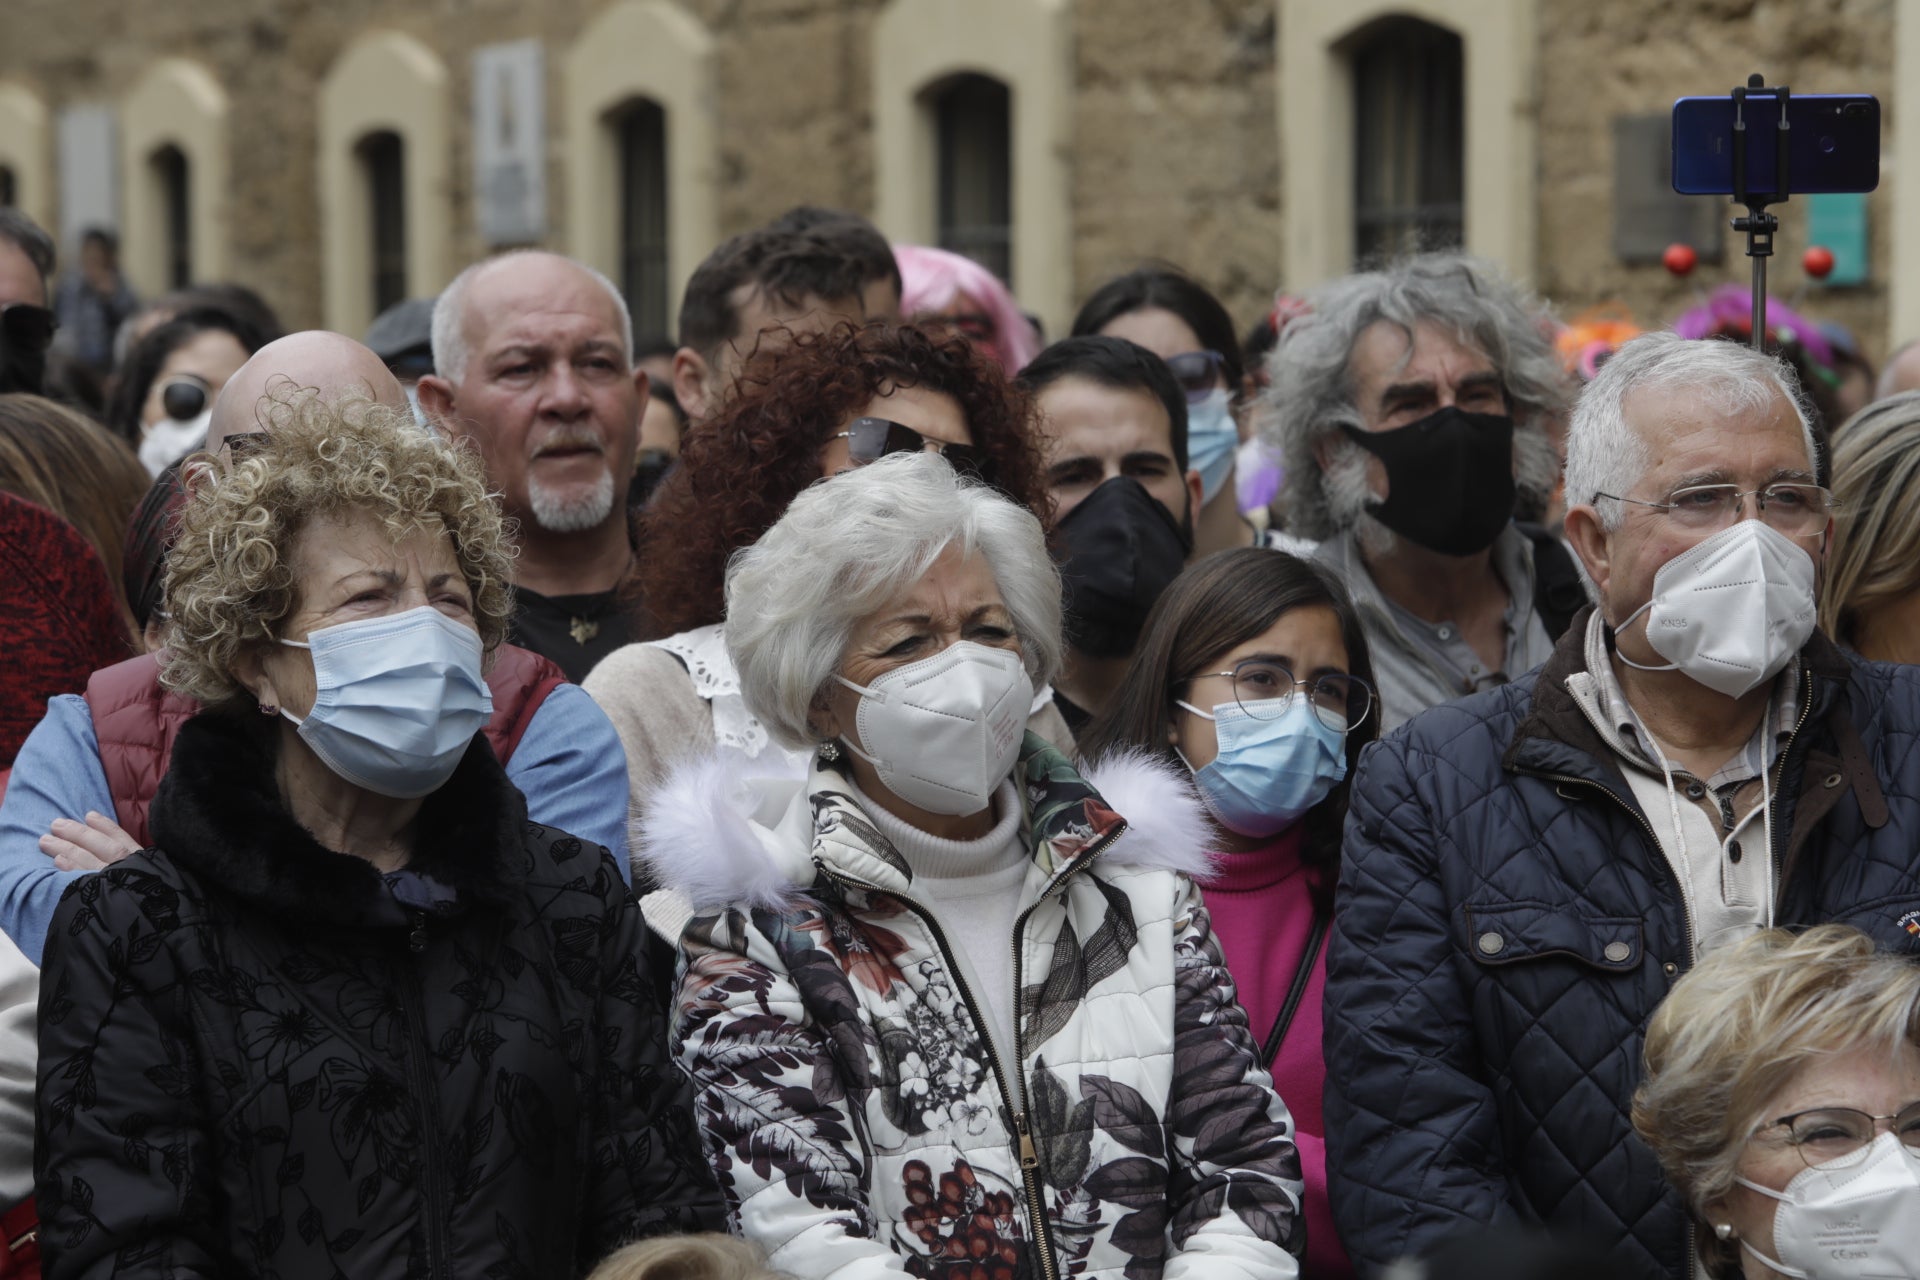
x=1759, y=145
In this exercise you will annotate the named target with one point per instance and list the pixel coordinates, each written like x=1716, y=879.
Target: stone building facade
x=1222, y=135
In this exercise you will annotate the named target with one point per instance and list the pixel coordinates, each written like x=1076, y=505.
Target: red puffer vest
x=135, y=721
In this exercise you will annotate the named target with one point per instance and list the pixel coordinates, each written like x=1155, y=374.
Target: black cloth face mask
x=1122, y=549
x=1449, y=479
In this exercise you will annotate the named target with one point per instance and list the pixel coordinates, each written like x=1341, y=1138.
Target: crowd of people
x=854, y=788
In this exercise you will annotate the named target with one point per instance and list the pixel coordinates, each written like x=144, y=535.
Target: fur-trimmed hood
x=728, y=831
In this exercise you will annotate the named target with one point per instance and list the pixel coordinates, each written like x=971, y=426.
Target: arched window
x=640, y=131
x=383, y=160
x=172, y=174
x=8, y=188
x=974, y=136
x=1409, y=150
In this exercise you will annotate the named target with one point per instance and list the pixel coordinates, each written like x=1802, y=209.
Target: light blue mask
x=1269, y=773
x=398, y=700
x=1212, y=439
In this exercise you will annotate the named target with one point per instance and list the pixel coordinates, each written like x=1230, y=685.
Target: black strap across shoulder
x=1557, y=590
x=1296, y=993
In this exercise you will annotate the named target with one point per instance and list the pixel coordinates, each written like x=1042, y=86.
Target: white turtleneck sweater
x=972, y=887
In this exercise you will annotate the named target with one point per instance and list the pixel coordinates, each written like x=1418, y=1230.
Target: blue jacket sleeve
x=570, y=766
x=56, y=775
x=1413, y=1135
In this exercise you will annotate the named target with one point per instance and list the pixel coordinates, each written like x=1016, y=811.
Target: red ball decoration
x=1680, y=259
x=1817, y=262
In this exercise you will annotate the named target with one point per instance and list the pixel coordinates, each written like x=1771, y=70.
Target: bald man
x=73, y=806
x=533, y=360
x=329, y=362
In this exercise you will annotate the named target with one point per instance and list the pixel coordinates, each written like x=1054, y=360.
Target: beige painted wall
x=384, y=80
x=176, y=103
x=1028, y=45
x=24, y=147
x=641, y=49
x=1317, y=128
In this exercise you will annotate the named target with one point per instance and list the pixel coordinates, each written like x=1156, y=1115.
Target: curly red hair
x=740, y=469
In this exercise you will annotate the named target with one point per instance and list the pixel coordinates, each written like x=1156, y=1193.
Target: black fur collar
x=218, y=814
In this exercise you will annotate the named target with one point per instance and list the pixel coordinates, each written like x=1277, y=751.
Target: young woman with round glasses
x=1252, y=678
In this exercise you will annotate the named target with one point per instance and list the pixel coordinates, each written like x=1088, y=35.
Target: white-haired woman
x=1782, y=1097
x=952, y=1009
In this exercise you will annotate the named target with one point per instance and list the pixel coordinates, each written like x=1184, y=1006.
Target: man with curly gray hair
x=1412, y=406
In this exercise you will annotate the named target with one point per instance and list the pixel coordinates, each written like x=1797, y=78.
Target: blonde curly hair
x=229, y=577
x=1739, y=1028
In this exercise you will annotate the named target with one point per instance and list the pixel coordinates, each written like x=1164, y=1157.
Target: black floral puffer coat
x=262, y=1058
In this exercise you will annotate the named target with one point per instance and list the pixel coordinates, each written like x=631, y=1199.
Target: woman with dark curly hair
x=828, y=403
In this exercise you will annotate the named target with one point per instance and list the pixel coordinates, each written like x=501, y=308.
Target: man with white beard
x=533, y=362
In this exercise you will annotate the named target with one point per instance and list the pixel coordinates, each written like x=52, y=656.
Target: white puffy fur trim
x=1167, y=827
x=702, y=836
x=716, y=834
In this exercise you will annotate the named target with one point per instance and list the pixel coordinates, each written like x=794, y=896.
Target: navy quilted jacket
x=1506, y=925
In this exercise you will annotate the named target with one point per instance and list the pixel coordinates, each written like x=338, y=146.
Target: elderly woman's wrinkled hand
x=87, y=846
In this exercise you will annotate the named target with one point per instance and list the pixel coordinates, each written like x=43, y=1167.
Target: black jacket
x=262, y=1058
x=1506, y=924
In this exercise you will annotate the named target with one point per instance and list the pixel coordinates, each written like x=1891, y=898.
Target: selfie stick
x=1759, y=225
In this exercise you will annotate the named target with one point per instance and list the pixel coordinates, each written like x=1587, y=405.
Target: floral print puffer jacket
x=856, y=1113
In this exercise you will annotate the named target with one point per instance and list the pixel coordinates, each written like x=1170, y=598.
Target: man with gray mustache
x=533, y=362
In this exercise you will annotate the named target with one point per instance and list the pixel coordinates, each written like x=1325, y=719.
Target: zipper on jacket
x=1653, y=841
x=1777, y=851
x=1039, y=1231
x=421, y=1079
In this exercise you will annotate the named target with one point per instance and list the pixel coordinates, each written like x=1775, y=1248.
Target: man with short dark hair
x=1113, y=426
x=26, y=322
x=93, y=300
x=860, y=240
x=758, y=289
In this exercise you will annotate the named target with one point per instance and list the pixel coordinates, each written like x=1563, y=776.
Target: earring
x=1724, y=1230
x=828, y=751
x=268, y=709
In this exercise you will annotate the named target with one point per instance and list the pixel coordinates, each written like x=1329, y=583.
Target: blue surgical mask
x=398, y=700
x=1269, y=773
x=1212, y=439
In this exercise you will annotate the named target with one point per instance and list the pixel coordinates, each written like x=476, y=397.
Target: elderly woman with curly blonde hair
x=352, y=1013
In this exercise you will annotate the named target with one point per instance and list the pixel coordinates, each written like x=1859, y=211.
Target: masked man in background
x=1411, y=407
x=1527, y=872
x=1113, y=422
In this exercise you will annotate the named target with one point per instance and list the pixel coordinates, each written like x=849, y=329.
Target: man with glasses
x=26, y=323
x=1411, y=405
x=1528, y=871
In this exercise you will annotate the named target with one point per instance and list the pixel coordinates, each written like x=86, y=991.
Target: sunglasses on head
x=27, y=327
x=869, y=439
x=1197, y=372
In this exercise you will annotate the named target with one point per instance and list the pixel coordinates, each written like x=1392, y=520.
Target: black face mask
x=1449, y=479
x=1122, y=549
x=25, y=332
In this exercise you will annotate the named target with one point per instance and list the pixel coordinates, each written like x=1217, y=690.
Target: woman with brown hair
x=1252, y=676
x=65, y=462
x=826, y=404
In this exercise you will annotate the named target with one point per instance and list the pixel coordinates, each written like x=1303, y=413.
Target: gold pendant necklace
x=584, y=629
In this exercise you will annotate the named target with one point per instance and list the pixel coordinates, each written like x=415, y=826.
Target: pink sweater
x=1262, y=914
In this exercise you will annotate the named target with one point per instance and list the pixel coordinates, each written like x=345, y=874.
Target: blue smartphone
x=1833, y=144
